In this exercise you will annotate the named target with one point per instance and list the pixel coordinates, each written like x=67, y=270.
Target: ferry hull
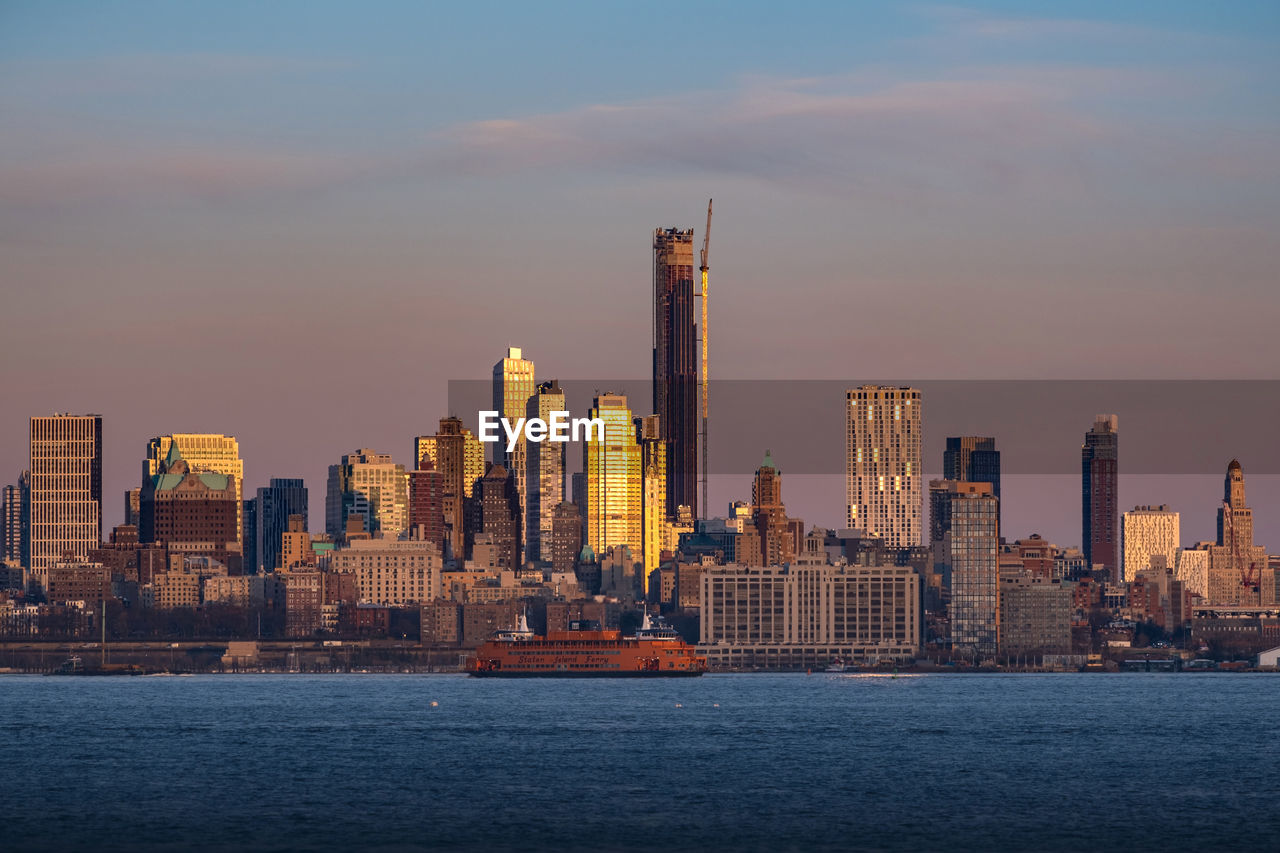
x=571, y=674
x=586, y=654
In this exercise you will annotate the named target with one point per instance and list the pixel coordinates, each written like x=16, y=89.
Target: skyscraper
x=371, y=485
x=249, y=559
x=1149, y=531
x=614, y=503
x=770, y=539
x=882, y=463
x=653, y=491
x=675, y=363
x=284, y=497
x=1235, y=563
x=513, y=385
x=192, y=513
x=1100, y=494
x=66, y=488
x=972, y=459
x=972, y=548
x=544, y=474
x=566, y=537
x=496, y=512
x=426, y=502
x=13, y=523
x=459, y=457
x=204, y=453
x=133, y=506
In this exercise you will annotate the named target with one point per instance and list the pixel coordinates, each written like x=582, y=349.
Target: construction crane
x=706, y=250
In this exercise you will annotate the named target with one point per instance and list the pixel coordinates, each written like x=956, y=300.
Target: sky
x=297, y=222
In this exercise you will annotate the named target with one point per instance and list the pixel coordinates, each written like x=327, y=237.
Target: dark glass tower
x=285, y=496
x=973, y=459
x=1100, y=494
x=675, y=363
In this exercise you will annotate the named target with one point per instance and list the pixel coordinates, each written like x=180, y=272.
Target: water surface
x=756, y=762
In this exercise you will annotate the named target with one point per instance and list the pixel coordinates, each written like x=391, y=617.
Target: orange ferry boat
x=655, y=651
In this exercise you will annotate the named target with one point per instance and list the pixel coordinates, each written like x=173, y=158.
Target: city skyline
x=125, y=233
x=360, y=375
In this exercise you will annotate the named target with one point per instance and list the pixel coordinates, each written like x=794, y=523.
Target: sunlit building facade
x=808, y=613
x=653, y=463
x=614, y=482
x=204, y=453
x=882, y=463
x=368, y=484
x=65, y=514
x=1149, y=531
x=513, y=385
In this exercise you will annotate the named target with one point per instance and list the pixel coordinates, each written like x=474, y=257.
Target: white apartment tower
x=882, y=463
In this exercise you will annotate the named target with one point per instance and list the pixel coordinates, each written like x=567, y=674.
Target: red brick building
x=192, y=514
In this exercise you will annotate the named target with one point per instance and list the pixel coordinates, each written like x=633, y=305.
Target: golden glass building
x=204, y=453
x=614, y=502
x=653, y=464
x=513, y=385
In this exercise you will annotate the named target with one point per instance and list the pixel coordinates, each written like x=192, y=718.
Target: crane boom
x=706, y=253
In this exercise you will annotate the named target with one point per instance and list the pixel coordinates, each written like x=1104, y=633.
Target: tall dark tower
x=972, y=459
x=1100, y=494
x=675, y=363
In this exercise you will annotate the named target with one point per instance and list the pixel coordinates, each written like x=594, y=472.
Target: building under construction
x=675, y=363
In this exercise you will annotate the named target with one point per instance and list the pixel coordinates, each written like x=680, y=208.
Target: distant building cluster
x=458, y=545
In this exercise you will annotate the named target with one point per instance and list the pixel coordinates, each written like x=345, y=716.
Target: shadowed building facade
x=459, y=457
x=1100, y=494
x=283, y=498
x=495, y=511
x=426, y=502
x=13, y=521
x=544, y=474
